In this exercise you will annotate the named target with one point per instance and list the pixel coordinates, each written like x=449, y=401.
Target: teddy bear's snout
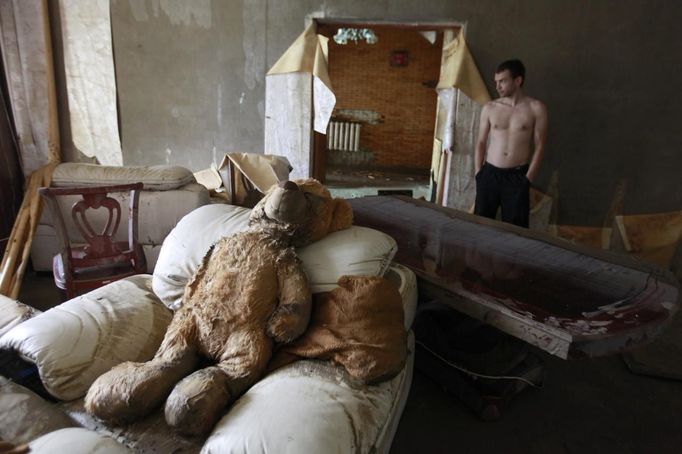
x=288, y=204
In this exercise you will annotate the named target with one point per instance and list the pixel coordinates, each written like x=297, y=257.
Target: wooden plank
x=566, y=299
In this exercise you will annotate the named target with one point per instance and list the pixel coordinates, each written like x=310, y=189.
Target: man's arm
x=483, y=131
x=539, y=139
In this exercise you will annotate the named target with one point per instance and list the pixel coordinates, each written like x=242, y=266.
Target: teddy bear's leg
x=291, y=317
x=132, y=390
x=199, y=400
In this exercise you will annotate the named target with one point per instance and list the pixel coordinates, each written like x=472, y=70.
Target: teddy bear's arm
x=290, y=318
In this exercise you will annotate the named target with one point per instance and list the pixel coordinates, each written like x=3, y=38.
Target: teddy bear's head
x=303, y=208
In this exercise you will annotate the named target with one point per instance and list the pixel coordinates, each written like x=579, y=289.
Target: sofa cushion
x=74, y=343
x=155, y=178
x=76, y=440
x=25, y=416
x=355, y=251
x=12, y=313
x=406, y=281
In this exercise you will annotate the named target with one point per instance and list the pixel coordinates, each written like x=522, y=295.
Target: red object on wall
x=399, y=58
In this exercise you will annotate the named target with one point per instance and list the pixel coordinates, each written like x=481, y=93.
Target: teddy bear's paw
x=198, y=401
x=287, y=323
x=130, y=391
x=109, y=397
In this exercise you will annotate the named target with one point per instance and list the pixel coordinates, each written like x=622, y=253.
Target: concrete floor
x=585, y=406
x=349, y=183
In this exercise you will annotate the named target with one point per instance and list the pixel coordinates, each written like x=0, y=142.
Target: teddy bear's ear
x=342, y=217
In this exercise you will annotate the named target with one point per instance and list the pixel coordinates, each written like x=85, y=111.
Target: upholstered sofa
x=309, y=406
x=169, y=193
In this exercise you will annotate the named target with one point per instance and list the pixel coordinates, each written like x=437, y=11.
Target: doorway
x=382, y=127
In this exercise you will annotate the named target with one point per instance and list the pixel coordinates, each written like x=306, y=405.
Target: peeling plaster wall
x=191, y=82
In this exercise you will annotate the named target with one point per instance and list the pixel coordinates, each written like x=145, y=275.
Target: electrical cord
x=475, y=374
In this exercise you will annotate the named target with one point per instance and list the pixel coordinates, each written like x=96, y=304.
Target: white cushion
x=185, y=247
x=76, y=440
x=74, y=343
x=355, y=251
x=155, y=178
x=25, y=416
x=307, y=407
x=12, y=313
x=406, y=281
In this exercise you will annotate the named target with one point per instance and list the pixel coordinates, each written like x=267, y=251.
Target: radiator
x=343, y=136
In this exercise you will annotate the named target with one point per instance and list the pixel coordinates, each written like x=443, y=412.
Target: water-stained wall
x=190, y=78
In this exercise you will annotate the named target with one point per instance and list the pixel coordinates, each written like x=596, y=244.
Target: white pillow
x=185, y=247
x=406, y=281
x=25, y=416
x=76, y=440
x=359, y=251
x=74, y=343
x=12, y=313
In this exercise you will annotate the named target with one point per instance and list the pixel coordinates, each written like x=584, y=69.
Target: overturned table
x=569, y=300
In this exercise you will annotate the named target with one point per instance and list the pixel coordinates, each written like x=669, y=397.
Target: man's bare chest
x=506, y=118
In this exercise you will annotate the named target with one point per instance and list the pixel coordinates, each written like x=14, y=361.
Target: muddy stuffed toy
x=249, y=293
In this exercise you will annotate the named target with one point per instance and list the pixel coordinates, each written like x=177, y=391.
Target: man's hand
x=539, y=138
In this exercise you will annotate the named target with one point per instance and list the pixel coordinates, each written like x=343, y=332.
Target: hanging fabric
x=90, y=79
x=309, y=54
x=27, y=57
x=459, y=70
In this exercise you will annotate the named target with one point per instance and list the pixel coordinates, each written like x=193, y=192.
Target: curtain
x=27, y=57
x=90, y=79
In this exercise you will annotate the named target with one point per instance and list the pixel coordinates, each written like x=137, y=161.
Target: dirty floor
x=349, y=183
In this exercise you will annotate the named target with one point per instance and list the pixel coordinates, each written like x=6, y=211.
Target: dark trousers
x=507, y=188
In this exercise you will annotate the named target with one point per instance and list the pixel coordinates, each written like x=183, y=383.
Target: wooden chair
x=98, y=258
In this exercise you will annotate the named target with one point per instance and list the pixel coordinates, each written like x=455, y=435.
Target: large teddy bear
x=249, y=293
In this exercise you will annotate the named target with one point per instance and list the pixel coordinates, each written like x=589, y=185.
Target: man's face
x=505, y=84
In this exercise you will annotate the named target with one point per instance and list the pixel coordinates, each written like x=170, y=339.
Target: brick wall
x=405, y=98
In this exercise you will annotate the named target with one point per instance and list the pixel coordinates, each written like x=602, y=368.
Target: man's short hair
x=515, y=68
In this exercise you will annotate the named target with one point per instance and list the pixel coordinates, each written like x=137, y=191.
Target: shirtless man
x=508, y=126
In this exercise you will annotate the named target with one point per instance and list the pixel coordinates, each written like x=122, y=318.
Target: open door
x=298, y=101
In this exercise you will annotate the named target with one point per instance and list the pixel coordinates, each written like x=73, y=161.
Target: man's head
x=509, y=77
